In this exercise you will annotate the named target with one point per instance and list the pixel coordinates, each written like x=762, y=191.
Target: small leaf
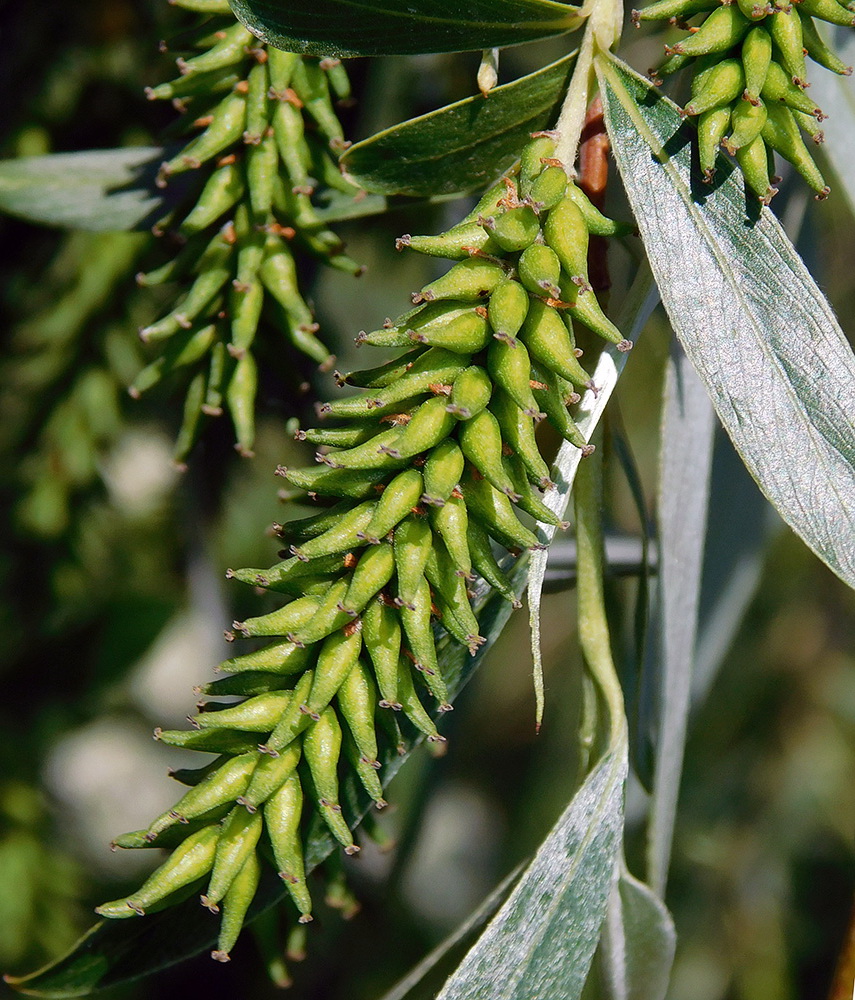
x=636, y=949
x=463, y=146
x=99, y=190
x=118, y=951
x=751, y=319
x=836, y=96
x=688, y=426
x=388, y=27
x=542, y=941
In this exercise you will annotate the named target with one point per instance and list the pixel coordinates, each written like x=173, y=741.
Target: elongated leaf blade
x=118, y=951
x=750, y=317
x=100, y=190
x=836, y=96
x=463, y=146
x=388, y=27
x=637, y=946
x=688, y=426
x=542, y=941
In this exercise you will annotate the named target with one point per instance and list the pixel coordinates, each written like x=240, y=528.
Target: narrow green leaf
x=836, y=96
x=388, y=27
x=118, y=951
x=463, y=146
x=99, y=190
x=751, y=319
x=688, y=426
x=542, y=941
x=636, y=949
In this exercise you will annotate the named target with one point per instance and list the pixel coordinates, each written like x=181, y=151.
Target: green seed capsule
x=818, y=50
x=778, y=87
x=450, y=522
x=339, y=437
x=412, y=543
x=541, y=147
x=548, y=341
x=425, y=316
x=257, y=104
x=481, y=442
x=288, y=576
x=445, y=367
x=278, y=274
x=240, y=395
x=235, y=906
x=510, y=367
x=383, y=375
x=554, y=396
x=566, y=232
x=748, y=120
x=486, y=565
x=514, y=229
x=222, y=786
x=312, y=86
x=282, y=813
x=712, y=126
x=539, y=269
x=326, y=619
x=451, y=587
x=172, y=836
x=366, y=772
x=381, y=635
x=268, y=776
x=509, y=303
x=230, y=50
x=356, y=699
x=420, y=638
x=587, y=309
x=262, y=163
x=457, y=244
x=494, y=512
x=428, y=426
x=397, y=500
x=375, y=569
x=754, y=164
x=518, y=433
x=188, y=862
x=468, y=281
x=781, y=132
x=756, y=56
x=442, y=473
x=718, y=86
x=247, y=684
x=208, y=741
x=321, y=748
x=412, y=706
x=724, y=28
x=196, y=775
x=224, y=188
x=180, y=352
x=293, y=721
x=374, y=454
x=304, y=528
x=785, y=26
x=288, y=128
x=470, y=393
x=466, y=334
x=753, y=10
x=828, y=10
x=597, y=223
x=237, y=841
x=340, y=537
x=281, y=66
x=229, y=120
x=282, y=620
x=255, y=715
x=810, y=125
x=525, y=499
x=549, y=188
x=338, y=654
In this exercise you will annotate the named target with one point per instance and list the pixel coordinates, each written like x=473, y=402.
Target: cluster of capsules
x=748, y=90
x=265, y=134
x=432, y=461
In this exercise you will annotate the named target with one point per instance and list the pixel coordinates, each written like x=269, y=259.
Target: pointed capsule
x=541, y=147
x=754, y=163
x=293, y=721
x=336, y=659
x=597, y=223
x=724, y=28
x=514, y=229
x=281, y=658
x=235, y=906
x=539, y=270
x=208, y=740
x=450, y=523
x=486, y=564
x=470, y=393
x=397, y=500
x=509, y=303
x=383, y=375
x=717, y=86
x=282, y=812
x=374, y=570
x=418, y=632
x=441, y=472
x=411, y=705
x=456, y=244
x=747, y=122
x=546, y=337
x=525, y=499
x=465, y=334
x=428, y=426
x=226, y=129
x=566, y=232
x=365, y=772
x=240, y=396
x=828, y=10
x=412, y=543
x=818, y=50
x=778, y=87
x=381, y=635
x=374, y=454
x=340, y=537
x=682, y=10
x=756, y=55
x=452, y=588
x=548, y=189
x=237, y=840
x=712, y=126
x=190, y=861
x=281, y=621
x=781, y=132
x=510, y=367
x=468, y=281
x=494, y=512
x=356, y=700
x=518, y=433
x=327, y=619
x=321, y=749
x=255, y=715
x=481, y=443
x=785, y=27
x=223, y=189
x=554, y=396
x=268, y=776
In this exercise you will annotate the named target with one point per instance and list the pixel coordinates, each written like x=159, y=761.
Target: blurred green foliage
x=108, y=557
